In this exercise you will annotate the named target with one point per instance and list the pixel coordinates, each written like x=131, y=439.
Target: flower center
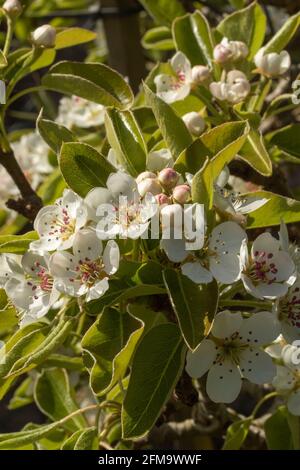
x=230, y=348
x=289, y=308
x=62, y=227
x=261, y=269
x=90, y=272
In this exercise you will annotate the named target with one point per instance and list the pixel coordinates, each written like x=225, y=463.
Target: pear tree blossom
x=287, y=379
x=234, y=89
x=272, y=64
x=76, y=111
x=233, y=351
x=87, y=270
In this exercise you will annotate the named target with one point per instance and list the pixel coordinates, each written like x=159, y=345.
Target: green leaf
x=94, y=82
x=54, y=134
x=194, y=305
x=193, y=37
x=173, y=129
x=42, y=58
x=3, y=60
x=276, y=209
x=110, y=342
x=278, y=433
x=236, y=434
x=156, y=367
x=147, y=315
x=287, y=139
x=87, y=440
x=224, y=142
x=83, y=167
x=17, y=244
x=126, y=139
x=158, y=39
x=53, y=397
x=247, y=25
x=284, y=35
x=255, y=153
x=163, y=11
x=73, y=37
x=52, y=187
x=22, y=395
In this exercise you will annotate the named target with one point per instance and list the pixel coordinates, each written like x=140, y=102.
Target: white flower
x=57, y=224
x=219, y=257
x=232, y=352
x=31, y=286
x=269, y=270
x=31, y=152
x=288, y=311
x=87, y=270
x=76, y=111
x=9, y=265
x=287, y=379
x=119, y=209
x=234, y=90
x=194, y=123
x=230, y=51
x=44, y=36
x=147, y=182
x=230, y=203
x=175, y=87
x=200, y=74
x=272, y=64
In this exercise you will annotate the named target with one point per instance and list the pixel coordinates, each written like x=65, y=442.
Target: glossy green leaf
x=158, y=39
x=254, y=152
x=224, y=142
x=87, y=440
x=173, y=129
x=236, y=434
x=156, y=367
x=278, y=433
x=276, y=209
x=73, y=37
x=94, y=82
x=53, y=396
x=288, y=139
x=126, y=139
x=54, y=134
x=83, y=167
x=194, y=305
x=163, y=11
x=193, y=37
x=110, y=342
x=247, y=25
x=17, y=244
x=284, y=35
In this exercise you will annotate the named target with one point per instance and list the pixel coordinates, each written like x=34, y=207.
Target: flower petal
x=199, y=361
x=257, y=366
x=174, y=249
x=226, y=323
x=87, y=245
x=293, y=403
x=196, y=272
x=260, y=329
x=224, y=382
x=111, y=257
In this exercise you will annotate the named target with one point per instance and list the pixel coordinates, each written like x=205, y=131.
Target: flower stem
x=9, y=35
x=262, y=401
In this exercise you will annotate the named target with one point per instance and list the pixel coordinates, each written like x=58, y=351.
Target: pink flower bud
x=149, y=185
x=162, y=199
x=44, y=36
x=182, y=193
x=200, y=74
x=168, y=178
x=222, y=53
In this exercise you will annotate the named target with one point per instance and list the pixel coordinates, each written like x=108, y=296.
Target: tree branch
x=30, y=203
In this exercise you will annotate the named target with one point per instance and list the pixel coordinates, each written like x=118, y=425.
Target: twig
x=30, y=203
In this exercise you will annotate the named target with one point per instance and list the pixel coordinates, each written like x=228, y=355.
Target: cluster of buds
x=200, y=74
x=163, y=186
x=230, y=51
x=234, y=90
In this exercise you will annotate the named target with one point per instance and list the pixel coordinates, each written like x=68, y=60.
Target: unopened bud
x=144, y=175
x=200, y=74
x=182, y=193
x=222, y=54
x=149, y=185
x=168, y=178
x=44, y=36
x=162, y=199
x=194, y=122
x=13, y=8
